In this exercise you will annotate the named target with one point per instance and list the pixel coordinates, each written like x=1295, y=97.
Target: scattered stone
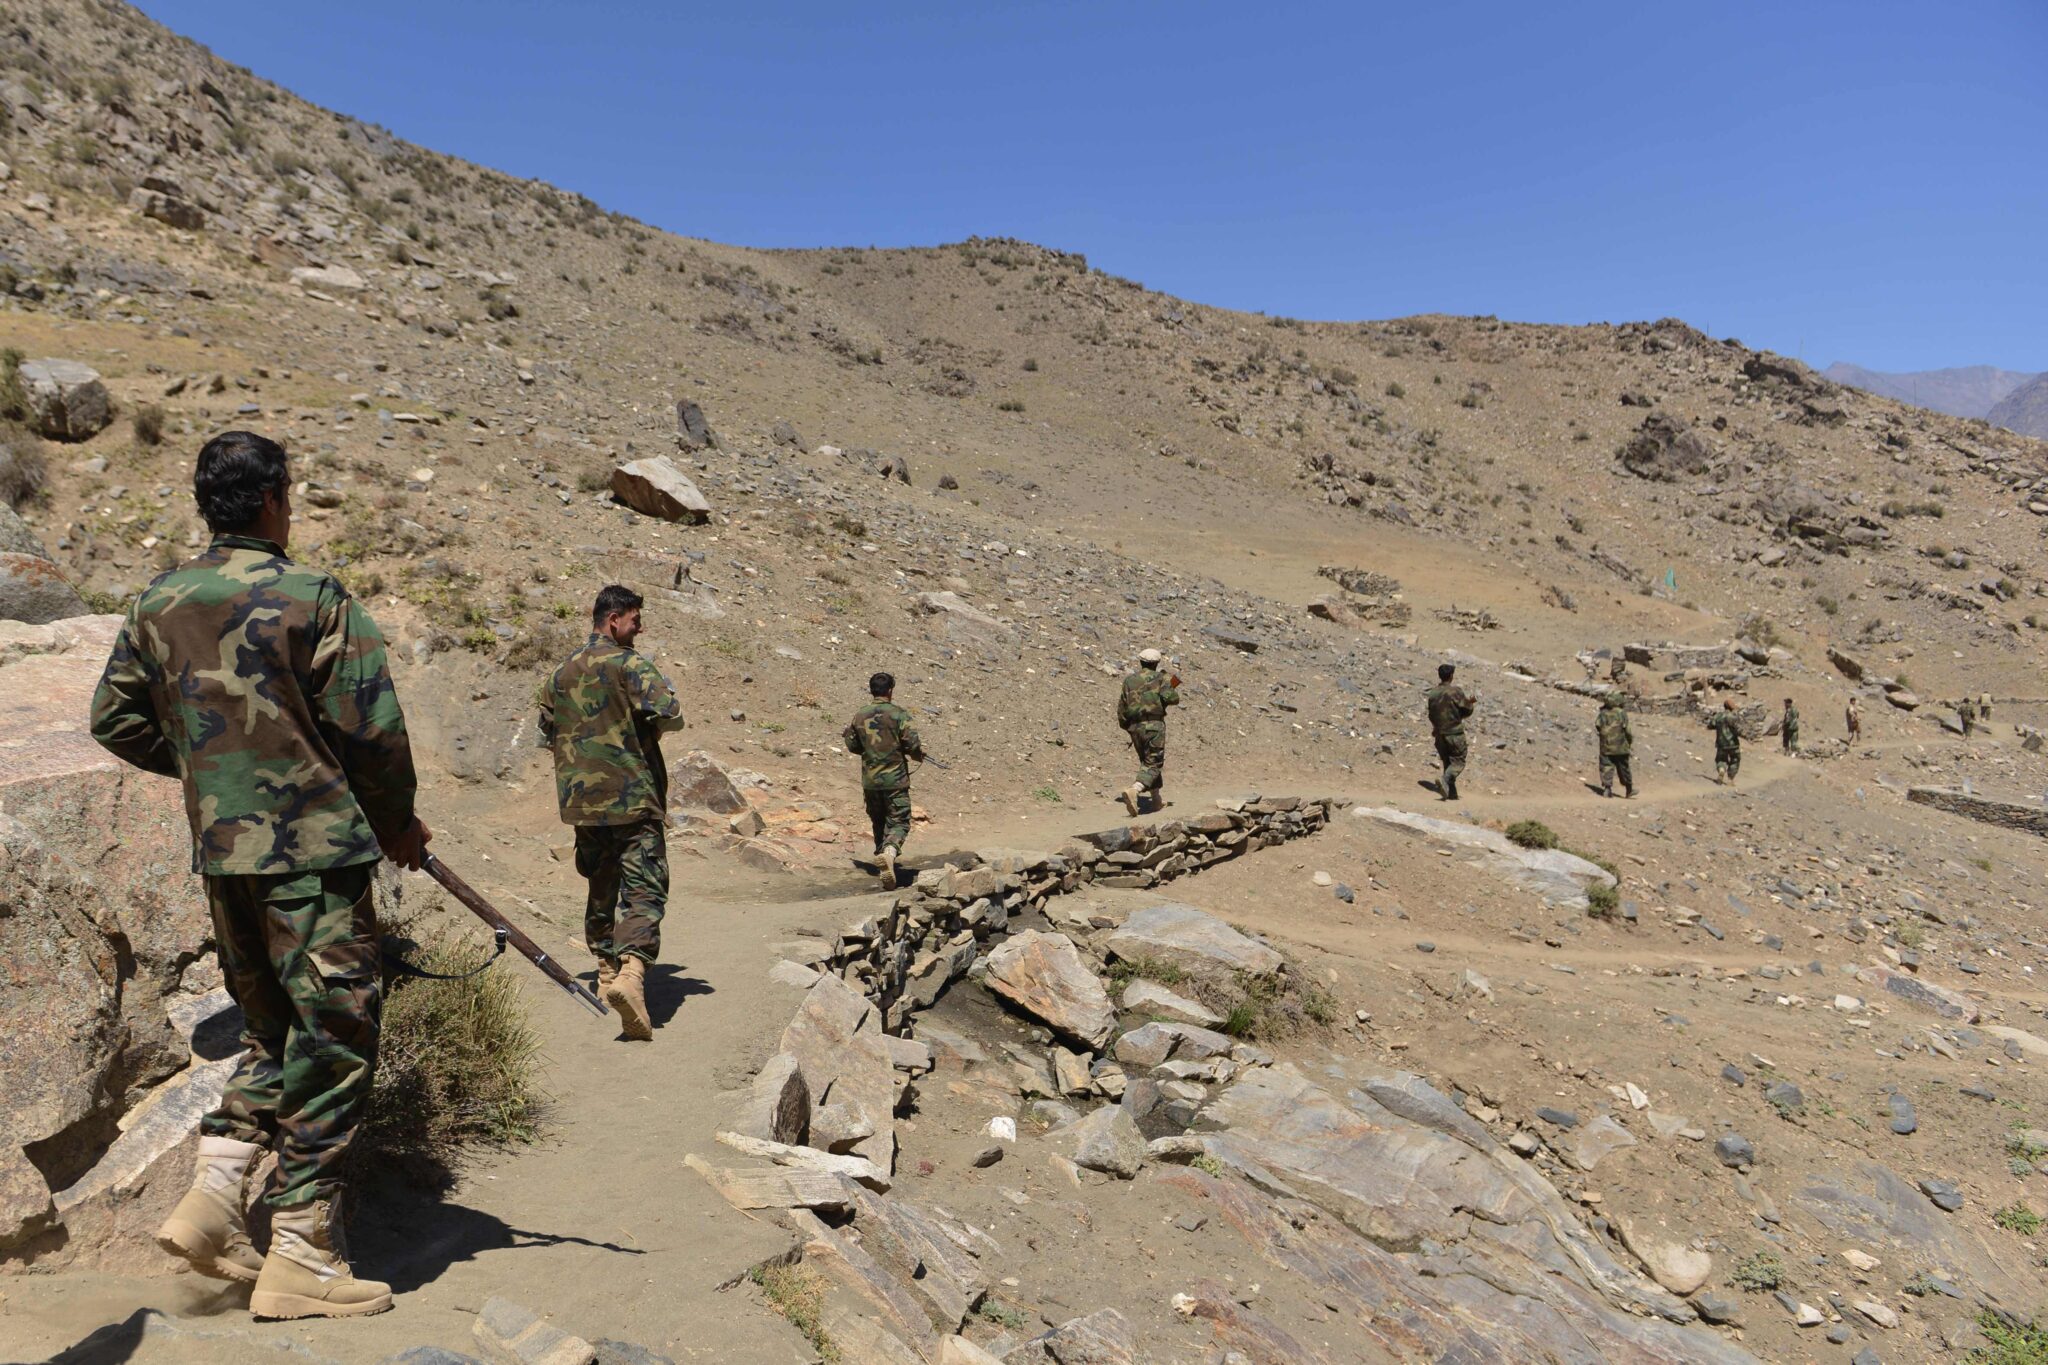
x=1558, y=1118
x=1944, y=1194
x=1150, y=998
x=1878, y=1313
x=1045, y=976
x=1525, y=1144
x=1734, y=1075
x=1716, y=1309
x=1735, y=1151
x=988, y=1156
x=1602, y=1137
x=1904, y=1120
x=692, y=431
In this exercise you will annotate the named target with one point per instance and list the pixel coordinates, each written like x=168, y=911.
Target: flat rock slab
x=969, y=626
x=655, y=487
x=1045, y=976
x=836, y=1038
x=1949, y=1004
x=1558, y=877
x=1187, y=938
x=1154, y=1000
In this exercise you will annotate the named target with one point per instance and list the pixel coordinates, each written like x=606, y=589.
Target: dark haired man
x=884, y=737
x=603, y=713
x=1449, y=707
x=262, y=686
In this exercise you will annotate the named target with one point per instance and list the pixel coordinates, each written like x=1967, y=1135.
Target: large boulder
x=654, y=487
x=108, y=993
x=697, y=781
x=32, y=588
x=837, y=1041
x=1665, y=449
x=329, y=279
x=1045, y=976
x=969, y=626
x=167, y=208
x=66, y=400
x=1196, y=943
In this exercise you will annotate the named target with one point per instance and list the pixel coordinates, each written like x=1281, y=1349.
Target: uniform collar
x=234, y=542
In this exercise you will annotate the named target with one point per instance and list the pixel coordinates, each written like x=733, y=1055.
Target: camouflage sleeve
x=124, y=718
x=355, y=705
x=907, y=739
x=544, y=700
x=1169, y=695
x=654, y=701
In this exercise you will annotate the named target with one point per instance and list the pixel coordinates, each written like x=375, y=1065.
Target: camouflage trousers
x=1727, y=762
x=1791, y=739
x=1149, y=739
x=300, y=955
x=889, y=813
x=1450, y=751
x=1616, y=765
x=627, y=868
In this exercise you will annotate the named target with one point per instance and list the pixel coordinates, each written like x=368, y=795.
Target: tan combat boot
x=306, y=1274
x=628, y=995
x=1130, y=796
x=885, y=866
x=607, y=972
x=209, y=1227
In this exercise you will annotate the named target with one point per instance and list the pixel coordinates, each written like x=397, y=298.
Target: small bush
x=148, y=425
x=457, y=1068
x=1531, y=834
x=1395, y=390
x=1030, y=364
x=798, y=1295
x=2010, y=1343
x=13, y=395
x=1758, y=1274
x=1603, y=902
x=1010, y=405
x=2017, y=1217
x=544, y=646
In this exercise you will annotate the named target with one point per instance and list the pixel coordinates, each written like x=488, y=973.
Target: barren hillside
x=1000, y=472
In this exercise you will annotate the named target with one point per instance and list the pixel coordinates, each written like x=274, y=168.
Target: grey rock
x=1734, y=1075
x=1558, y=877
x=1716, y=1309
x=1944, y=1194
x=1195, y=942
x=1734, y=1150
x=515, y=1333
x=1561, y=1118
x=654, y=487
x=1784, y=1095
x=1904, y=1120
x=692, y=431
x=66, y=400
x=1107, y=1140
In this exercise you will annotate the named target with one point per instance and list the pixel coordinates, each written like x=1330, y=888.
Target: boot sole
x=193, y=1247
x=633, y=1023
x=285, y=1307
x=1130, y=803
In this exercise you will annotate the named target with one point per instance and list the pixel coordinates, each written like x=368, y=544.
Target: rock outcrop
x=66, y=400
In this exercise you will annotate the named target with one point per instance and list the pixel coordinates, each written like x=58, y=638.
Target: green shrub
x=1759, y=1273
x=1532, y=834
x=2017, y=1217
x=148, y=424
x=1603, y=902
x=2010, y=1343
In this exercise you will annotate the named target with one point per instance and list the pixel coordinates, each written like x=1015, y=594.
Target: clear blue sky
x=1858, y=181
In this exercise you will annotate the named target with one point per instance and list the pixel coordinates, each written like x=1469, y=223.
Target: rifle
x=509, y=932
x=942, y=767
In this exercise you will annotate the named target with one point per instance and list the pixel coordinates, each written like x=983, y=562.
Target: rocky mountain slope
x=2025, y=409
x=998, y=472
x=1961, y=391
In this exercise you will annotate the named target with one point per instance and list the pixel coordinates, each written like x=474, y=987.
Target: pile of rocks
x=905, y=959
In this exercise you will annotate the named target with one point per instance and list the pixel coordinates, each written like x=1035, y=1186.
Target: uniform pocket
x=346, y=962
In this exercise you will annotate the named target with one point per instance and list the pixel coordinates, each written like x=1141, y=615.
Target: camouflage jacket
x=1146, y=695
x=1616, y=740
x=1790, y=724
x=1727, y=730
x=261, y=685
x=603, y=713
x=885, y=738
x=1448, y=705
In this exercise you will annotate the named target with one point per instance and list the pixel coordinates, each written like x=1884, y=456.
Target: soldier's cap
x=1148, y=656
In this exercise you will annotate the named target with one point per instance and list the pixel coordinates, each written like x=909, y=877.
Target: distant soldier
x=1448, y=707
x=1984, y=706
x=262, y=686
x=884, y=737
x=1617, y=745
x=1854, y=715
x=1727, y=728
x=1141, y=710
x=1966, y=712
x=1788, y=728
x=603, y=713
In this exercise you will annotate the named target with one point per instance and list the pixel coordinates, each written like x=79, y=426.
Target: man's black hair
x=1444, y=672
x=882, y=684
x=235, y=470
x=612, y=599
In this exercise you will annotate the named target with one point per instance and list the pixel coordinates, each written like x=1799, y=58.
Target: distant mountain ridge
x=1965, y=391
x=2025, y=409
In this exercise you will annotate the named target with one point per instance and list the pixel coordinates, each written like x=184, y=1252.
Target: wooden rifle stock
x=511, y=933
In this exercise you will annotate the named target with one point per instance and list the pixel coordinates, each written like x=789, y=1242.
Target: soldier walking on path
x=1617, y=745
x=1966, y=712
x=1448, y=706
x=1854, y=715
x=1788, y=728
x=884, y=737
x=1141, y=710
x=262, y=686
x=1727, y=728
x=603, y=713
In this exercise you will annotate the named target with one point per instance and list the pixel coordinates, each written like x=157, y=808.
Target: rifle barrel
x=514, y=935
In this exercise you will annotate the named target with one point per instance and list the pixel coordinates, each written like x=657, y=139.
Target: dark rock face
x=1665, y=450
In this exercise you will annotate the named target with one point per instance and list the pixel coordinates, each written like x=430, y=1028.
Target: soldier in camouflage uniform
x=1448, y=706
x=1966, y=712
x=1141, y=710
x=884, y=737
x=262, y=686
x=1617, y=745
x=1727, y=728
x=1788, y=728
x=602, y=713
